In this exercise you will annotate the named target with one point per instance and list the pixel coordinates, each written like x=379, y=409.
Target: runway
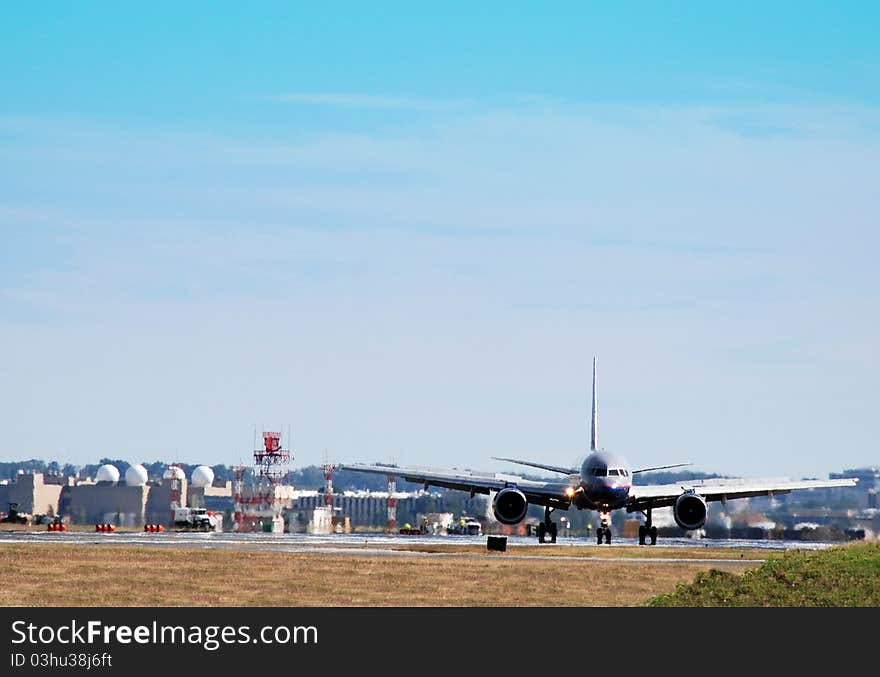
x=393, y=545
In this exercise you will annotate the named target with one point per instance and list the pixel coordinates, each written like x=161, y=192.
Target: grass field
x=97, y=575
x=110, y=575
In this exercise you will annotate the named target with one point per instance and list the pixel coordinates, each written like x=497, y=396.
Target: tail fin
x=594, y=425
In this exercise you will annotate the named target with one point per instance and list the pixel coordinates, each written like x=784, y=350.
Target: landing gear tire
x=647, y=530
x=547, y=527
x=600, y=533
x=608, y=535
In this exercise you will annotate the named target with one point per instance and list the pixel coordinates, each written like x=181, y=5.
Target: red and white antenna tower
x=328, y=469
x=392, y=504
x=238, y=498
x=272, y=461
x=260, y=502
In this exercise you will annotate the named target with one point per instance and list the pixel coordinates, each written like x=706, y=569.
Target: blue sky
x=405, y=234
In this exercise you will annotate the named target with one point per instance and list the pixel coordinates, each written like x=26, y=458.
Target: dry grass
x=96, y=575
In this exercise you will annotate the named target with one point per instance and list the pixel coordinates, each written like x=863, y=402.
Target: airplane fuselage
x=605, y=481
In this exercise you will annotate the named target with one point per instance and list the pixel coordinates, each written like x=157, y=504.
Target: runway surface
x=389, y=544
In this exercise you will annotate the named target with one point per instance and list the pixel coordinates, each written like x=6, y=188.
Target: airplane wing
x=659, y=495
x=537, y=492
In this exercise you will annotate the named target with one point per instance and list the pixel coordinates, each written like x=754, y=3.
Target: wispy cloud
x=14, y=214
x=343, y=100
x=436, y=253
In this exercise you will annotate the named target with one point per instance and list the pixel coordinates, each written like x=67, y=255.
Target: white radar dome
x=107, y=473
x=202, y=476
x=136, y=475
x=174, y=472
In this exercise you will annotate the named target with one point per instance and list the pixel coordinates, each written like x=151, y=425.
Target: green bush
x=843, y=576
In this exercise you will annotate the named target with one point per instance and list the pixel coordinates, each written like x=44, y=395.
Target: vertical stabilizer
x=594, y=425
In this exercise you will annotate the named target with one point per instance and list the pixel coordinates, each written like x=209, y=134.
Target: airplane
x=603, y=482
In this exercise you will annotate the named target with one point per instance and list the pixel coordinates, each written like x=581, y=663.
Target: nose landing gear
x=604, y=531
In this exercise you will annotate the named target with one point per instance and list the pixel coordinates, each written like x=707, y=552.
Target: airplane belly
x=604, y=497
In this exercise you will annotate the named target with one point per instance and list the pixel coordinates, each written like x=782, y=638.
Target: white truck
x=196, y=519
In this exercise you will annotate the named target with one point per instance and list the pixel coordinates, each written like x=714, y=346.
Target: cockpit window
x=600, y=472
x=614, y=472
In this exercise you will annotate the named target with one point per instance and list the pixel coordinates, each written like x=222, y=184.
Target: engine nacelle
x=510, y=506
x=690, y=511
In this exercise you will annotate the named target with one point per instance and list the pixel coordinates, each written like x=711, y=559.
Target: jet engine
x=510, y=506
x=690, y=511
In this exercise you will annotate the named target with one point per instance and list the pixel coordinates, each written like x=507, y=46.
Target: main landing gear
x=647, y=530
x=604, y=531
x=547, y=527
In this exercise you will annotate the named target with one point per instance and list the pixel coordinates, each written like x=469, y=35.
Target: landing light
x=569, y=491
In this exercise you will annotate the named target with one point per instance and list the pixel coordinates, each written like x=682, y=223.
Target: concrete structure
x=159, y=499
x=132, y=504
x=107, y=503
x=35, y=493
x=317, y=520
x=121, y=504
x=213, y=497
x=260, y=507
x=363, y=508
